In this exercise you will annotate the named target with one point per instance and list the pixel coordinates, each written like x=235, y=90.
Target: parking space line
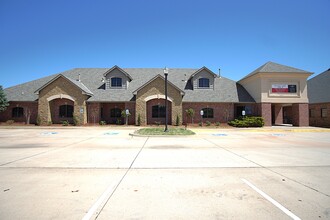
x=105, y=197
x=270, y=199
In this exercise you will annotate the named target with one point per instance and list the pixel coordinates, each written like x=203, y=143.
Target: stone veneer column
x=300, y=114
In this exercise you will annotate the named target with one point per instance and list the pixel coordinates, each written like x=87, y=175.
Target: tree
x=190, y=113
x=3, y=100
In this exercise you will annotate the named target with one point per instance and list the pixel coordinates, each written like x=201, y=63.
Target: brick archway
x=54, y=106
x=151, y=119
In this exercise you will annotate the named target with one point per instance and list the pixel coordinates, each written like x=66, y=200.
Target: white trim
x=158, y=96
x=60, y=96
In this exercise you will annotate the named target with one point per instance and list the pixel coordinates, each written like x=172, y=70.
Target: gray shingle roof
x=318, y=88
x=225, y=90
x=271, y=67
x=77, y=83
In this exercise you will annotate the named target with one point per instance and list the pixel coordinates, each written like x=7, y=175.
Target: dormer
x=203, y=79
x=116, y=78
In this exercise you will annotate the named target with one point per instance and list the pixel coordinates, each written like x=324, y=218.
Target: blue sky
x=40, y=38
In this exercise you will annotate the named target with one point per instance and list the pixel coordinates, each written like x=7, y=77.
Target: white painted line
x=101, y=200
x=278, y=205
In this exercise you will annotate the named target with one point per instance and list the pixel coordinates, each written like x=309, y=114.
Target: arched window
x=208, y=112
x=116, y=82
x=203, y=83
x=115, y=113
x=158, y=111
x=66, y=111
x=17, y=112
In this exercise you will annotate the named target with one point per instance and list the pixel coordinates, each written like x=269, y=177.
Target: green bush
x=118, y=121
x=200, y=124
x=65, y=123
x=102, y=122
x=38, y=120
x=157, y=123
x=10, y=122
x=139, y=120
x=208, y=123
x=217, y=124
x=248, y=121
x=76, y=121
x=49, y=123
x=177, y=121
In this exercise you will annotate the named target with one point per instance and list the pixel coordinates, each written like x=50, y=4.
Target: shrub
x=139, y=120
x=177, y=121
x=65, y=123
x=157, y=123
x=217, y=124
x=49, y=123
x=200, y=124
x=10, y=122
x=102, y=122
x=38, y=120
x=76, y=121
x=118, y=121
x=190, y=113
x=248, y=122
x=208, y=123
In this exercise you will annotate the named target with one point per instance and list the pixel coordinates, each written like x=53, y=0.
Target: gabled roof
x=158, y=76
x=271, y=67
x=201, y=69
x=318, y=88
x=225, y=90
x=78, y=84
x=118, y=68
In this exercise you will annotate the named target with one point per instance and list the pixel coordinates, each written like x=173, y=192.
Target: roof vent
x=219, y=73
x=78, y=77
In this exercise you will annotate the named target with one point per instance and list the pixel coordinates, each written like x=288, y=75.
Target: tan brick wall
x=61, y=86
x=157, y=87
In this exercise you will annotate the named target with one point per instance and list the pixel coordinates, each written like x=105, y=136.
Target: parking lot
x=104, y=173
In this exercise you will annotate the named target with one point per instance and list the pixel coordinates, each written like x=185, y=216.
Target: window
x=116, y=82
x=208, y=112
x=203, y=83
x=158, y=111
x=311, y=113
x=324, y=113
x=17, y=112
x=66, y=111
x=115, y=113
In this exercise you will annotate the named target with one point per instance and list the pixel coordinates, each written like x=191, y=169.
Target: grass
x=160, y=131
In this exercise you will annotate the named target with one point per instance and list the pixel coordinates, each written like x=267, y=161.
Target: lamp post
x=202, y=113
x=166, y=113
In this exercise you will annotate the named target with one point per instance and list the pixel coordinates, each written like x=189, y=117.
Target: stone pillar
x=278, y=110
x=300, y=114
x=266, y=113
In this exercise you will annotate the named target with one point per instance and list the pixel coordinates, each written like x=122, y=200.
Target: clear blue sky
x=39, y=38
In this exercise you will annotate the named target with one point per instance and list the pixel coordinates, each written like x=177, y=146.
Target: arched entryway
x=61, y=110
x=156, y=111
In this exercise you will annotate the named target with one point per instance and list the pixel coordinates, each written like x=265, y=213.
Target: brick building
x=276, y=92
x=319, y=99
